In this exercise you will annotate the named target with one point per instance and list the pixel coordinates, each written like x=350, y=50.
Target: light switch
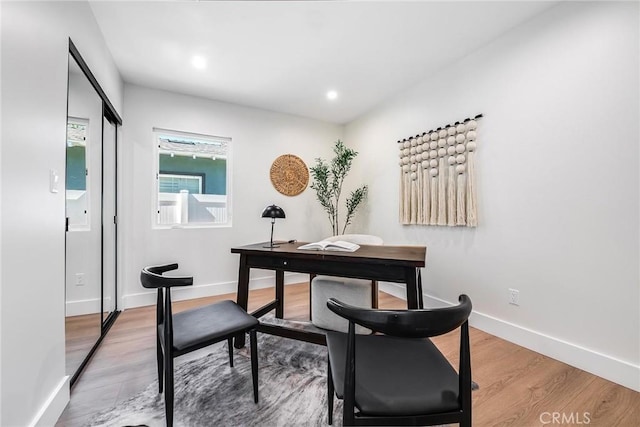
x=53, y=180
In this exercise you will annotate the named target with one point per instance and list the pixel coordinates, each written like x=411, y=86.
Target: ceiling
x=285, y=56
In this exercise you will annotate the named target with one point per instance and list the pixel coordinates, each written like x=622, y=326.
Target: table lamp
x=272, y=212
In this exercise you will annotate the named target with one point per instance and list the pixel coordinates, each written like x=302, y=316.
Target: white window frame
x=157, y=134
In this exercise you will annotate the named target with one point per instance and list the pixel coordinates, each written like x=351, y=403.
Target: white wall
x=557, y=171
x=34, y=37
x=557, y=175
x=258, y=138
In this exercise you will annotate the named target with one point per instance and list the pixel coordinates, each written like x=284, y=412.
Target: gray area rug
x=292, y=390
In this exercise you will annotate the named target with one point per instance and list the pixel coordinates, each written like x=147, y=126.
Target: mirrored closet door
x=91, y=215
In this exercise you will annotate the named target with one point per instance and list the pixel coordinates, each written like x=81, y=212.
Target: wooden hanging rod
x=478, y=116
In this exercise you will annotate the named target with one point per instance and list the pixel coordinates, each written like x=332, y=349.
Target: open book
x=326, y=245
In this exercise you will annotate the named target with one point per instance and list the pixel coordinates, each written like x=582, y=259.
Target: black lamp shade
x=273, y=211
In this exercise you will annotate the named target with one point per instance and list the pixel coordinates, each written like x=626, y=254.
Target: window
x=175, y=183
x=192, y=179
x=76, y=188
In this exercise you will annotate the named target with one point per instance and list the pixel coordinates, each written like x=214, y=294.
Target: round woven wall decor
x=289, y=175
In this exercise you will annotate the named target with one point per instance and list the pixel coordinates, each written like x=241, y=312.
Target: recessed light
x=198, y=62
x=332, y=94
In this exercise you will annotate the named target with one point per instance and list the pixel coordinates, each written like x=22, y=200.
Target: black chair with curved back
x=193, y=329
x=399, y=377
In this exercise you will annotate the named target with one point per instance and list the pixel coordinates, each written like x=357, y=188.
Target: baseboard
x=398, y=291
x=177, y=294
x=54, y=406
x=86, y=306
x=602, y=365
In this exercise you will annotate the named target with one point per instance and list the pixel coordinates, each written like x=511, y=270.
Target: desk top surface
x=407, y=255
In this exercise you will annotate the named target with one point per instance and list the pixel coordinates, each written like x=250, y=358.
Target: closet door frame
x=110, y=114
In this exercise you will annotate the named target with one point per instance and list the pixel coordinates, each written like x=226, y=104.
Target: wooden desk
x=399, y=264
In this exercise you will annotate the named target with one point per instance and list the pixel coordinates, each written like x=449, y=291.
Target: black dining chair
x=193, y=329
x=398, y=376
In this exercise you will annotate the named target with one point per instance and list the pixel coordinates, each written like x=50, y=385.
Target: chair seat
x=208, y=324
x=397, y=382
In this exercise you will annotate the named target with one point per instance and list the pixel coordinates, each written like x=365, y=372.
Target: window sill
x=190, y=226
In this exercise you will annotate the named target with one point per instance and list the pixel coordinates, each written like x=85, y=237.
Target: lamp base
x=271, y=245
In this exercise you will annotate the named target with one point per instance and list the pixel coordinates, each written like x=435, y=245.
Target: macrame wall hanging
x=437, y=182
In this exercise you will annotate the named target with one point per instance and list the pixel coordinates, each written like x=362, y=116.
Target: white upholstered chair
x=357, y=292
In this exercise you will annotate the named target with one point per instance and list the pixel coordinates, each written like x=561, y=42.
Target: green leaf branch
x=328, y=179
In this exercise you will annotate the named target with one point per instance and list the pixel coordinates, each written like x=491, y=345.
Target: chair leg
x=168, y=389
x=466, y=416
x=254, y=363
x=330, y=392
x=348, y=413
x=230, y=345
x=160, y=362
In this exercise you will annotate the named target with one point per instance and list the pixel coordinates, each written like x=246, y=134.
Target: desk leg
x=243, y=293
x=420, y=297
x=280, y=294
x=311, y=277
x=374, y=294
x=412, y=288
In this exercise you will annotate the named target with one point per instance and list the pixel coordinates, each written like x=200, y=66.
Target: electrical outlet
x=79, y=279
x=514, y=296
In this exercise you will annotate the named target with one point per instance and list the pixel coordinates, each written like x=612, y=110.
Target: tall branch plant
x=327, y=182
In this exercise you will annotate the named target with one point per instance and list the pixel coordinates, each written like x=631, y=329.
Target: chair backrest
x=358, y=239
x=415, y=323
x=151, y=277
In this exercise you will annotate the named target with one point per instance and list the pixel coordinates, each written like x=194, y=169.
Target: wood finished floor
x=516, y=385
x=81, y=333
